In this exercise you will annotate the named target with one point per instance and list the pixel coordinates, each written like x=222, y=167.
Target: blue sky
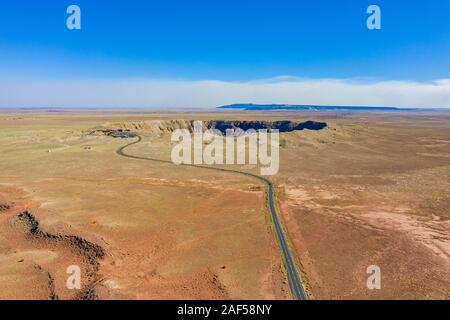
x=226, y=41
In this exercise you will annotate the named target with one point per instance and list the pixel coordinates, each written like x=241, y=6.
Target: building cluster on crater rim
x=115, y=133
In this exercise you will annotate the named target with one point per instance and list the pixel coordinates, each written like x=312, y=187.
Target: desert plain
x=372, y=188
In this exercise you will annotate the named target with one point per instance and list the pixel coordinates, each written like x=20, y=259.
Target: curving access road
x=294, y=281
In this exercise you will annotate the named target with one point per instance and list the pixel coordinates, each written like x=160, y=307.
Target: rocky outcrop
x=4, y=207
x=168, y=126
x=282, y=126
x=90, y=252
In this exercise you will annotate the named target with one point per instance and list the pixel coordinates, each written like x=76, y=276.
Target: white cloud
x=137, y=93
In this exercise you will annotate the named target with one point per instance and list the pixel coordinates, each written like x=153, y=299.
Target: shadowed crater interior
x=282, y=126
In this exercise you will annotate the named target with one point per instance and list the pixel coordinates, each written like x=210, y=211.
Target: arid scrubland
x=370, y=189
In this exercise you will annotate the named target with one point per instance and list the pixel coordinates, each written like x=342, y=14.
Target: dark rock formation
x=282, y=126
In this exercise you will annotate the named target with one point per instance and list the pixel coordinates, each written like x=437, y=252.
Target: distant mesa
x=292, y=107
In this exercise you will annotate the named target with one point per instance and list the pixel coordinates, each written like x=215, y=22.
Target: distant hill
x=291, y=107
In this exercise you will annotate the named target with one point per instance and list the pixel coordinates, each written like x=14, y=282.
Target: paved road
x=295, y=283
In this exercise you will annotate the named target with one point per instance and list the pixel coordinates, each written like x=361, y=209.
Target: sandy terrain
x=372, y=189
x=168, y=232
